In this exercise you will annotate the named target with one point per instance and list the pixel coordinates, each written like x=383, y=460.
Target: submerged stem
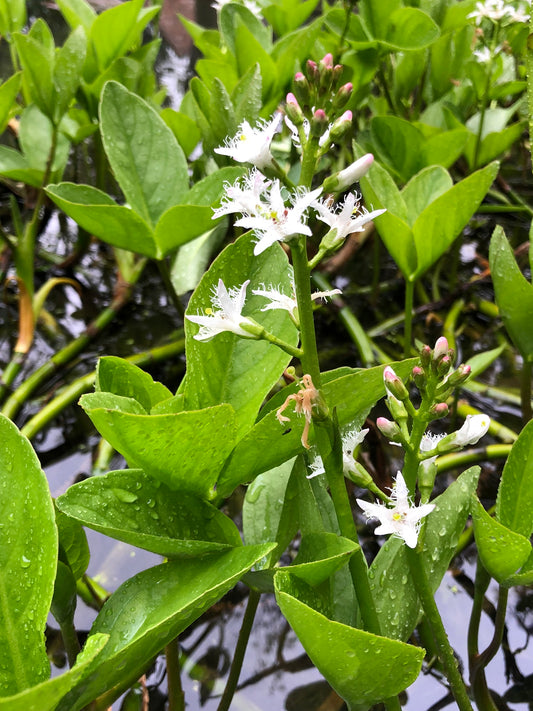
x=240, y=649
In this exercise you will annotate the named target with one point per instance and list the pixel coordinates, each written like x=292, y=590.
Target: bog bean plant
x=309, y=131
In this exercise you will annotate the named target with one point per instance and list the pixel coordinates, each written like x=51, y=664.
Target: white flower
x=473, y=429
x=350, y=441
x=225, y=314
x=306, y=128
x=494, y=10
x=403, y=520
x=343, y=221
x=429, y=441
x=279, y=300
x=274, y=221
x=252, y=145
x=244, y=195
x=250, y=4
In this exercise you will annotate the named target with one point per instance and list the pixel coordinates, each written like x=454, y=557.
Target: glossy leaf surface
x=151, y=609
x=28, y=556
x=130, y=506
x=514, y=505
x=347, y=656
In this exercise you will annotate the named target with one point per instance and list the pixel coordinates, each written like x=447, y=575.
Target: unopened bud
x=389, y=429
x=419, y=377
x=444, y=365
x=473, y=429
x=293, y=110
x=311, y=70
x=319, y=123
x=427, y=472
x=327, y=61
x=441, y=348
x=459, y=376
x=347, y=177
x=439, y=410
x=396, y=408
x=342, y=96
x=425, y=357
x=341, y=126
x=394, y=385
x=302, y=90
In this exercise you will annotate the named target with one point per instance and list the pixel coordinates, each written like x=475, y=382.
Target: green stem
x=302, y=284
x=70, y=640
x=240, y=649
x=176, y=697
x=409, y=291
x=309, y=159
x=525, y=391
x=459, y=460
x=271, y=338
x=65, y=355
x=446, y=655
x=82, y=385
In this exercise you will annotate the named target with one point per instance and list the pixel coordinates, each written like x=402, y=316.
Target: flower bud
x=311, y=70
x=342, y=96
x=425, y=356
x=396, y=408
x=347, y=177
x=389, y=429
x=360, y=477
x=427, y=471
x=439, y=410
x=319, y=123
x=293, y=110
x=444, y=366
x=338, y=69
x=394, y=385
x=419, y=377
x=327, y=61
x=459, y=376
x=302, y=90
x=441, y=348
x=341, y=126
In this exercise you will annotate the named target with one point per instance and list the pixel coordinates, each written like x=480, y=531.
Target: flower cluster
x=499, y=11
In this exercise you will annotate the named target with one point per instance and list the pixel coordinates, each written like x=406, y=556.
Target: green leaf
x=132, y=507
x=150, y=610
x=233, y=17
x=118, y=376
x=394, y=592
x=69, y=63
x=15, y=166
x=47, y=695
x=501, y=550
x=113, y=32
x=398, y=143
x=184, y=450
x=28, y=556
x=193, y=258
x=35, y=137
x=409, y=29
x=12, y=16
x=320, y=555
x=73, y=546
x=8, y=94
x=513, y=293
x=525, y=576
x=209, y=190
x=493, y=144
x=347, y=656
x=423, y=188
x=146, y=158
x=481, y=361
x=63, y=604
x=184, y=129
x=239, y=371
x=268, y=512
x=246, y=96
x=376, y=15
x=181, y=224
x=250, y=52
x=77, y=12
x=97, y=213
x=37, y=60
x=446, y=216
x=514, y=505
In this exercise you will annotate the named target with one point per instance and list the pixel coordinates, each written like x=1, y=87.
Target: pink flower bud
x=439, y=410
x=327, y=60
x=441, y=348
x=389, y=429
x=291, y=99
x=394, y=385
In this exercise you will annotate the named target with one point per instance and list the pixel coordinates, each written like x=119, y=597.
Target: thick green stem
x=70, y=640
x=309, y=159
x=302, y=284
x=240, y=649
x=176, y=697
x=446, y=655
x=408, y=315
